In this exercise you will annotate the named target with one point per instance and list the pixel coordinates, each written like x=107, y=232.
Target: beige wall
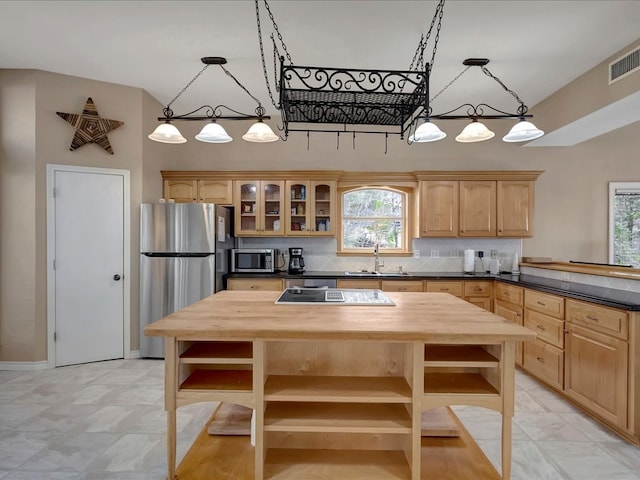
x=571, y=196
x=32, y=136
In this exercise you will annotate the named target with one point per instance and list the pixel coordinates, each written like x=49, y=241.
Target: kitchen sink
x=366, y=273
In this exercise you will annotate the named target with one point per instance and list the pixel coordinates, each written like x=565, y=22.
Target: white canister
x=469, y=261
x=515, y=265
x=494, y=266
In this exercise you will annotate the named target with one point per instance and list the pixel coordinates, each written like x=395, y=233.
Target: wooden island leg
x=170, y=389
x=508, y=399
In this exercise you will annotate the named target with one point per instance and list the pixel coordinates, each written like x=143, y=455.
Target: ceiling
x=535, y=47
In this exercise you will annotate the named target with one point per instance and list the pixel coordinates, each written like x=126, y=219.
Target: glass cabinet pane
x=272, y=198
x=322, y=207
x=298, y=214
x=248, y=207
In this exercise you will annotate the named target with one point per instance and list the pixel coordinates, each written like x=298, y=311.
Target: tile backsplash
x=430, y=255
x=435, y=255
x=594, y=280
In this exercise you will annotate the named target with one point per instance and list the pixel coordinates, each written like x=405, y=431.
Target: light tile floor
x=105, y=421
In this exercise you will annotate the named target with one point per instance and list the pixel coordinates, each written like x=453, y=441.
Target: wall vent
x=624, y=65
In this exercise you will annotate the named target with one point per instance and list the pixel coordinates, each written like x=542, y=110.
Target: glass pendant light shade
x=260, y=132
x=475, y=132
x=522, y=132
x=167, y=133
x=427, y=132
x=213, y=133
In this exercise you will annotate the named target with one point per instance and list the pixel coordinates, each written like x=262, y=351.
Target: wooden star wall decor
x=90, y=128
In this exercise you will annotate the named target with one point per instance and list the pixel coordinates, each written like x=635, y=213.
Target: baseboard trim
x=25, y=366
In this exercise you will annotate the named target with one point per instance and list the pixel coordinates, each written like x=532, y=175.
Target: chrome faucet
x=376, y=256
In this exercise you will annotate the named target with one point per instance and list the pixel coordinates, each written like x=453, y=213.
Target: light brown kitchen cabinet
x=452, y=287
x=477, y=208
x=544, y=358
x=476, y=204
x=473, y=291
x=509, y=301
x=439, y=211
x=255, y=284
x=215, y=191
x=180, y=191
x=544, y=361
x=515, y=202
x=366, y=283
x=259, y=208
x=198, y=191
x=596, y=367
x=478, y=293
x=401, y=285
x=597, y=360
x=546, y=303
x=311, y=208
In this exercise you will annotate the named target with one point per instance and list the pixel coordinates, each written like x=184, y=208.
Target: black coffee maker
x=296, y=262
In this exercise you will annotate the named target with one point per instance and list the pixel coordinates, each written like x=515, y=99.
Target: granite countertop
x=623, y=299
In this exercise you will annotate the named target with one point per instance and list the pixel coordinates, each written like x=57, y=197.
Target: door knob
x=116, y=277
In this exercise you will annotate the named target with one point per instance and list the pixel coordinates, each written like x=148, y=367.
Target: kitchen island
x=330, y=379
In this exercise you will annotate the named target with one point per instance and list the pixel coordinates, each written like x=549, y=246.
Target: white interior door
x=89, y=266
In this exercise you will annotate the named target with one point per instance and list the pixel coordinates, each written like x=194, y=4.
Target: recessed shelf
x=212, y=380
x=218, y=353
x=335, y=464
x=336, y=417
x=337, y=389
x=459, y=356
x=457, y=383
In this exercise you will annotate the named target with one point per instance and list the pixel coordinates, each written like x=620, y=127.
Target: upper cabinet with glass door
x=310, y=208
x=258, y=208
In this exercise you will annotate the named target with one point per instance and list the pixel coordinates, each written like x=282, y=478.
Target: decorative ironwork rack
x=350, y=97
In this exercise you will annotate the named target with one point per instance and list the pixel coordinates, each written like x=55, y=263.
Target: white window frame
x=615, y=187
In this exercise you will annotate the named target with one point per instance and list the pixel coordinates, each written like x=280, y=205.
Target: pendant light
x=427, y=132
x=213, y=133
x=167, y=133
x=523, y=131
x=260, y=132
x=475, y=132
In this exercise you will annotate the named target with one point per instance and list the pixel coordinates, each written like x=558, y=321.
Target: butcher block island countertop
x=339, y=390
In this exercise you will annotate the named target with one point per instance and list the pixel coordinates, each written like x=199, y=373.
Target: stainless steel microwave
x=253, y=260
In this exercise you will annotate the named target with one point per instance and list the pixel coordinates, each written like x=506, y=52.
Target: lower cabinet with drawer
x=544, y=358
x=544, y=361
x=597, y=363
x=473, y=291
x=255, y=284
x=478, y=293
x=508, y=304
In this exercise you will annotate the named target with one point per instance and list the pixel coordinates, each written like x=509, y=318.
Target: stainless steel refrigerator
x=184, y=254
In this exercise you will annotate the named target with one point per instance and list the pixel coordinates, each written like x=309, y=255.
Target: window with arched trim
x=374, y=215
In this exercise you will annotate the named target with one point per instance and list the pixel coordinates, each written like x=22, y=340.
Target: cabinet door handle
x=255, y=287
x=444, y=289
x=593, y=319
x=540, y=359
x=541, y=303
x=477, y=289
x=518, y=314
x=541, y=328
x=506, y=294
